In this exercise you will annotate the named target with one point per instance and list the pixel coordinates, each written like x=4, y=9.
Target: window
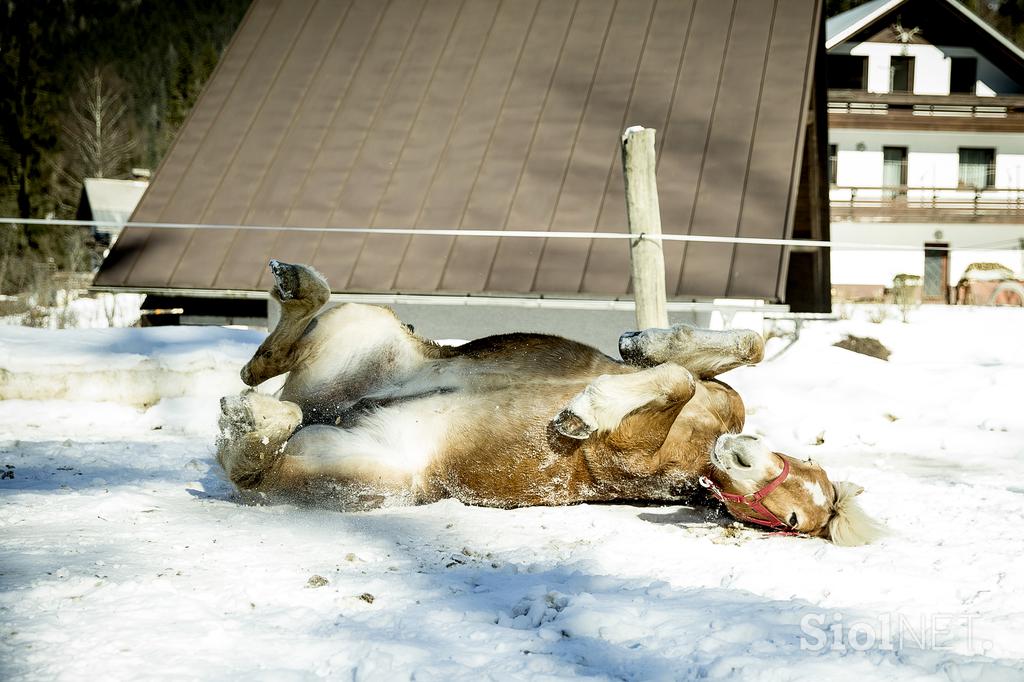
x=977, y=167
x=846, y=72
x=963, y=75
x=894, y=171
x=901, y=74
x=833, y=164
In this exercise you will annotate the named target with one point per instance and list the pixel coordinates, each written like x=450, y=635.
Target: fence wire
x=1008, y=245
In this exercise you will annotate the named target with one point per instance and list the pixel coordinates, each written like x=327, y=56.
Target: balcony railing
x=900, y=110
x=901, y=203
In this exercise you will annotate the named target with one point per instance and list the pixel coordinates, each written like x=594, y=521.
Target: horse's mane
x=850, y=525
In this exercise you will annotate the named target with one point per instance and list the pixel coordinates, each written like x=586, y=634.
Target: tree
x=32, y=37
x=96, y=131
x=1006, y=16
x=96, y=139
x=162, y=53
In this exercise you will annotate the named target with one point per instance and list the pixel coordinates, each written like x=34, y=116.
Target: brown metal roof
x=483, y=114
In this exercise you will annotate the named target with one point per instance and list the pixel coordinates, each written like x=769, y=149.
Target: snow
x=122, y=549
x=76, y=309
x=130, y=366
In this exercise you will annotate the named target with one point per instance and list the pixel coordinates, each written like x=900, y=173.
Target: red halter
x=753, y=500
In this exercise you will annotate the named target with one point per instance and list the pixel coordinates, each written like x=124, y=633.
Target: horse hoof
x=633, y=349
x=570, y=425
x=299, y=283
x=236, y=417
x=287, y=279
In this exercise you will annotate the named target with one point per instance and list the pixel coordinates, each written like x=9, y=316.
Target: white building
x=111, y=202
x=926, y=144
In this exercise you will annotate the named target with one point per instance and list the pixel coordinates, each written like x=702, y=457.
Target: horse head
x=771, y=489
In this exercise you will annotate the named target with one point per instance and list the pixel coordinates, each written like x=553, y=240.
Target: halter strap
x=753, y=501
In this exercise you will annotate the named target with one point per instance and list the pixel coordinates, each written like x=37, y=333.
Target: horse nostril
x=742, y=462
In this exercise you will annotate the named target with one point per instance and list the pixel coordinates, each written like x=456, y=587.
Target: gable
x=942, y=23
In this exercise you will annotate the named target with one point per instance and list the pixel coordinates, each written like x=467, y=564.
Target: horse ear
x=849, y=525
x=845, y=489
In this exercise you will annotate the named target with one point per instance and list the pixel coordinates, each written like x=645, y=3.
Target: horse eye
x=792, y=520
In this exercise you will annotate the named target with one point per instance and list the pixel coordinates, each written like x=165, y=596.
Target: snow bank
x=128, y=366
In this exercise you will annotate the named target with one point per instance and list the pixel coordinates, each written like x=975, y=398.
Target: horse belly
x=502, y=452
x=452, y=434
x=405, y=437
x=393, y=444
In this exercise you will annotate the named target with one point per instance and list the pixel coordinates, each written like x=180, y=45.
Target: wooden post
x=646, y=255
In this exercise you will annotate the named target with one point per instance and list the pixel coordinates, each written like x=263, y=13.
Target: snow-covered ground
x=123, y=554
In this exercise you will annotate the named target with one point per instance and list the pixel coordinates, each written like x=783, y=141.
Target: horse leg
x=261, y=451
x=348, y=469
x=604, y=405
x=347, y=353
x=254, y=428
x=705, y=352
x=302, y=292
x=332, y=356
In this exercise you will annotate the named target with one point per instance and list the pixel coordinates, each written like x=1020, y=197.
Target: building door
x=963, y=75
x=901, y=74
x=894, y=172
x=936, y=272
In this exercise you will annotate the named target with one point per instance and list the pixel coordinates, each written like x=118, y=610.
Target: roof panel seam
x=298, y=109
x=291, y=124
x=616, y=155
x=675, y=85
x=447, y=144
x=246, y=20
x=227, y=98
x=252, y=122
x=389, y=86
x=753, y=142
x=192, y=234
x=169, y=154
x=707, y=143
x=490, y=140
x=533, y=139
x=337, y=107
x=408, y=133
x=575, y=139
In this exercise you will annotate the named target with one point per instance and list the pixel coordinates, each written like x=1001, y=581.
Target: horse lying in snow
x=371, y=415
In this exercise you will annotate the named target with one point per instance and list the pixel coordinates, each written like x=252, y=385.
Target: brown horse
x=371, y=414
